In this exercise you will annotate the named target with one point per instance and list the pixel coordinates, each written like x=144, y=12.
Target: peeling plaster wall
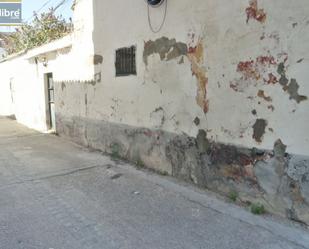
x=229, y=64
x=220, y=98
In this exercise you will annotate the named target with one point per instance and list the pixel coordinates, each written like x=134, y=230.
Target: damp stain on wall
x=290, y=86
x=158, y=117
x=197, y=121
x=196, y=57
x=267, y=70
x=259, y=129
x=254, y=12
x=281, y=70
x=170, y=49
x=97, y=59
x=63, y=86
x=261, y=94
x=292, y=89
x=258, y=69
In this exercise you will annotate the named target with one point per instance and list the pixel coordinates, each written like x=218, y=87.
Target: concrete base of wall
x=275, y=179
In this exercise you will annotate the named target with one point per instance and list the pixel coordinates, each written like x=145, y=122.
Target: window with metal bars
x=125, y=61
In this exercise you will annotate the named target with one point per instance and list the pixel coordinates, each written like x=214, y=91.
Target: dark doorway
x=51, y=117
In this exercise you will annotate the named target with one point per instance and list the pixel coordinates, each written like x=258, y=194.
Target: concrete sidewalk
x=55, y=194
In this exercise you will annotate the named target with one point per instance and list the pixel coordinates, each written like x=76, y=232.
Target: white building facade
x=217, y=97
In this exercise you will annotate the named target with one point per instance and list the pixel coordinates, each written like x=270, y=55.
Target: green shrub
x=233, y=195
x=257, y=208
x=140, y=164
x=115, y=148
x=43, y=29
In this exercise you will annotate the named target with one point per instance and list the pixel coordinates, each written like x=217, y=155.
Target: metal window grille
x=125, y=61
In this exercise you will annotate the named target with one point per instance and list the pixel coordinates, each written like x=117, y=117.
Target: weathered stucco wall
x=238, y=67
x=220, y=98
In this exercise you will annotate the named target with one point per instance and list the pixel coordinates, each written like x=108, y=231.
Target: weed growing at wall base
x=233, y=195
x=258, y=209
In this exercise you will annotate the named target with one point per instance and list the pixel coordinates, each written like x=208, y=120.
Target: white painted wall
x=6, y=107
x=69, y=59
x=27, y=90
x=27, y=76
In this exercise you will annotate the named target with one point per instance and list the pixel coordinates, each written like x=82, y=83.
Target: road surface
x=57, y=195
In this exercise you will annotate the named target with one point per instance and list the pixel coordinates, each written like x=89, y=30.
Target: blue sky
x=29, y=6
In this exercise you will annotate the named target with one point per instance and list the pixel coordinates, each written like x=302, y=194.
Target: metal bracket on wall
x=155, y=3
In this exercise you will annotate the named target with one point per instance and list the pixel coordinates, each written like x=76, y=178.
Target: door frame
x=50, y=114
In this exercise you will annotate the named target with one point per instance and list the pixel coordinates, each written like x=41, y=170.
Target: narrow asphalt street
x=55, y=194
